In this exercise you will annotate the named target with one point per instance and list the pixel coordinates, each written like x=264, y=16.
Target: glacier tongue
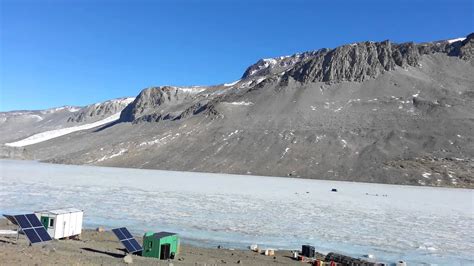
x=51, y=134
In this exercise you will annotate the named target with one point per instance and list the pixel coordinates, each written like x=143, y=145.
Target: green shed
x=162, y=245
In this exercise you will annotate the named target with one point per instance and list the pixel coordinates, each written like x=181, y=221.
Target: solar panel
x=22, y=221
x=126, y=233
x=135, y=244
x=32, y=235
x=43, y=234
x=118, y=233
x=11, y=219
x=34, y=221
x=31, y=226
x=128, y=246
x=127, y=240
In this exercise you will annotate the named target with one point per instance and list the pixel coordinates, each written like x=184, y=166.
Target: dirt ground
x=102, y=248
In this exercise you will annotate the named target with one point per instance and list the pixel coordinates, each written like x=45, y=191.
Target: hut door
x=165, y=251
x=45, y=221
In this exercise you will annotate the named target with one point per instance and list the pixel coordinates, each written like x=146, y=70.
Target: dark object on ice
x=346, y=260
x=334, y=190
x=307, y=251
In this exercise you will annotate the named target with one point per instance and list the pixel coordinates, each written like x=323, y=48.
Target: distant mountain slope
x=367, y=112
x=18, y=125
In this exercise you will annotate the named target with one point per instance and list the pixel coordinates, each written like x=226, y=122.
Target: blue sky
x=77, y=52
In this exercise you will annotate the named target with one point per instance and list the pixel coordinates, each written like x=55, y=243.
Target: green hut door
x=45, y=221
x=165, y=251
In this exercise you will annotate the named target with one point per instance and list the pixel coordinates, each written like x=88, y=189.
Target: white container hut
x=62, y=223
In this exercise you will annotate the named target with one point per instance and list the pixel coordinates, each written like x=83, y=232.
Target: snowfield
x=416, y=224
x=231, y=84
x=457, y=40
x=51, y=134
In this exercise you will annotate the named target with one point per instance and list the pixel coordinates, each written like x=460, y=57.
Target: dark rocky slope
x=99, y=111
x=370, y=112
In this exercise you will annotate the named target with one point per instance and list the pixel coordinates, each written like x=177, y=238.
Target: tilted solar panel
x=130, y=248
x=22, y=221
x=126, y=233
x=32, y=235
x=32, y=227
x=135, y=244
x=119, y=234
x=11, y=218
x=34, y=221
x=127, y=240
x=43, y=234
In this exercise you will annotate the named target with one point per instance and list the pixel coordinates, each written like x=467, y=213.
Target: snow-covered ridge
x=51, y=134
x=71, y=109
x=124, y=101
x=456, y=40
x=190, y=89
x=274, y=65
x=231, y=84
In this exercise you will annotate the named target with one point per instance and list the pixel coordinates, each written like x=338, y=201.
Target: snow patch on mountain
x=51, y=134
x=232, y=83
x=457, y=40
x=37, y=117
x=241, y=103
x=122, y=151
x=190, y=89
x=71, y=109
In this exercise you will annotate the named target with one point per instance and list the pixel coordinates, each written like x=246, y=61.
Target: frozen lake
x=416, y=224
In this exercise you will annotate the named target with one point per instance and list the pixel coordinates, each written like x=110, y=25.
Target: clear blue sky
x=77, y=52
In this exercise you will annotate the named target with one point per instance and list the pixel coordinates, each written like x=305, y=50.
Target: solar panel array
x=127, y=240
x=32, y=227
x=11, y=219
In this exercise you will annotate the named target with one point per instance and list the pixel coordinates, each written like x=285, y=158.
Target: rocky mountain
x=367, y=112
x=18, y=125
x=99, y=111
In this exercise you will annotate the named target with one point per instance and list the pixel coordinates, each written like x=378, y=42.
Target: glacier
x=51, y=134
x=421, y=225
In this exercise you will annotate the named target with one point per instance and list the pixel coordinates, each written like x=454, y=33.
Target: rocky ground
x=103, y=248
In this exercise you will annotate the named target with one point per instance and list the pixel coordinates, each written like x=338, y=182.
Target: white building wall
x=65, y=224
x=78, y=227
x=59, y=227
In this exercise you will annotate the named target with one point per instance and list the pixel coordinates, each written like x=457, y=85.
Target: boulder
x=128, y=259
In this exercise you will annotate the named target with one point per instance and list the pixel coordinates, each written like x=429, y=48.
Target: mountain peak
x=357, y=61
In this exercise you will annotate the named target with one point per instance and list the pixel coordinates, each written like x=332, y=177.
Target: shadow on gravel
x=106, y=126
x=115, y=255
x=8, y=242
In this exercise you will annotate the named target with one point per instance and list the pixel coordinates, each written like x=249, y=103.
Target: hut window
x=51, y=222
x=150, y=244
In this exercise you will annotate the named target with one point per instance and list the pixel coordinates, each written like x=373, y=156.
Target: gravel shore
x=102, y=248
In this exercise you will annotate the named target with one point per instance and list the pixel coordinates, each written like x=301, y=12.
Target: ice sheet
x=416, y=224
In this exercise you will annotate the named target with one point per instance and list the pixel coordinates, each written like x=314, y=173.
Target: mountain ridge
x=367, y=112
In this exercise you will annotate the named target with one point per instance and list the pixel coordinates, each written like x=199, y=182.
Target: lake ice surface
x=416, y=224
